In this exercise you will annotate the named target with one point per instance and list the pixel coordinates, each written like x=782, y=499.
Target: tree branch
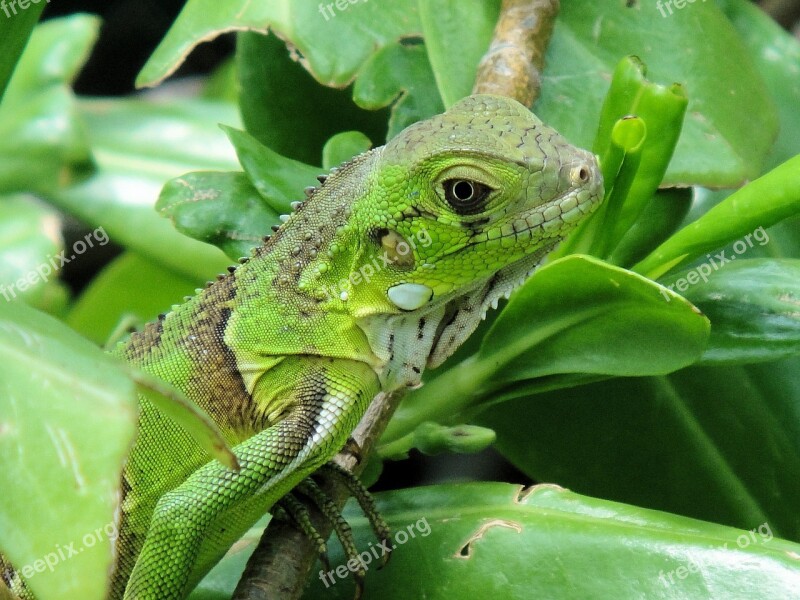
x=512, y=66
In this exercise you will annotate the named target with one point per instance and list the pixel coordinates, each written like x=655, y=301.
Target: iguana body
x=286, y=367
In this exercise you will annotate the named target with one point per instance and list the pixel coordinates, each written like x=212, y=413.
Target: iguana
x=286, y=351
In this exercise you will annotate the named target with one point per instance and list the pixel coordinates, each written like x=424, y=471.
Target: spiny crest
x=296, y=206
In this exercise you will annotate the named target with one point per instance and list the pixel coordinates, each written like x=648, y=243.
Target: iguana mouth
x=570, y=208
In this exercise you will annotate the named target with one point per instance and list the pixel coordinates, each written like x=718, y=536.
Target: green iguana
x=287, y=351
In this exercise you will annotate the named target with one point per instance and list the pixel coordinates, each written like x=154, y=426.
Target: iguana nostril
x=580, y=175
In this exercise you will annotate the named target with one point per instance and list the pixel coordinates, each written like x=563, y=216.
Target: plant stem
x=512, y=66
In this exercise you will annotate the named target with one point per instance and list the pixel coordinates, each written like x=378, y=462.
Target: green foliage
x=538, y=542
x=594, y=376
x=14, y=34
x=67, y=418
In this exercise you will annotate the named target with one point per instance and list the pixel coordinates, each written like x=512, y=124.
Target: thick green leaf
x=139, y=145
x=278, y=179
x=400, y=75
x=220, y=208
x=761, y=203
x=343, y=147
x=753, y=305
x=42, y=143
x=286, y=109
x=30, y=240
x=54, y=56
x=719, y=444
x=486, y=540
x=595, y=318
x=333, y=39
x=776, y=54
x=42, y=140
x=576, y=315
x=628, y=139
x=67, y=418
x=15, y=30
x=469, y=28
x=662, y=110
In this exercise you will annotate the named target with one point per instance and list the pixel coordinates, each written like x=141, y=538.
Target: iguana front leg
x=198, y=520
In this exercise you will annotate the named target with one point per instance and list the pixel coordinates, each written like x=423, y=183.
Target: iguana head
x=460, y=208
x=412, y=242
x=487, y=184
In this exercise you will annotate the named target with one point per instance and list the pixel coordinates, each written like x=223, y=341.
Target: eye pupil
x=463, y=190
x=466, y=197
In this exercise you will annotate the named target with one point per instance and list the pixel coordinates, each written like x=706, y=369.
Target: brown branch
x=280, y=566
x=512, y=66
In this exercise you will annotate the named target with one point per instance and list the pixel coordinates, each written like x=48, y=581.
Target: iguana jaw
x=464, y=313
x=408, y=343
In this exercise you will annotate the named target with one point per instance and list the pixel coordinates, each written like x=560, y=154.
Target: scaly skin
x=286, y=352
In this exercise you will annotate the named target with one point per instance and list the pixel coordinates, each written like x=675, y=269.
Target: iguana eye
x=465, y=196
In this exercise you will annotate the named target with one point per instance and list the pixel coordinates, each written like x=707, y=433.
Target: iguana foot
x=291, y=510
x=365, y=501
x=344, y=532
x=294, y=510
